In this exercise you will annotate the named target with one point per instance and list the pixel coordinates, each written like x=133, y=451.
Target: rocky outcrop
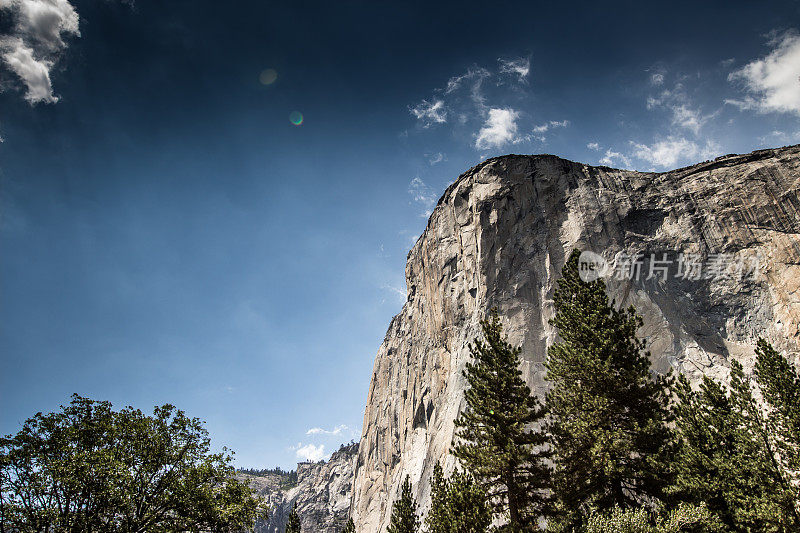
x=499, y=237
x=322, y=494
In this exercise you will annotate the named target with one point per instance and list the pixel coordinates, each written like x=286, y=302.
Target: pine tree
x=499, y=439
x=349, y=527
x=725, y=458
x=293, y=524
x=608, y=412
x=780, y=386
x=765, y=496
x=706, y=432
x=458, y=505
x=404, y=512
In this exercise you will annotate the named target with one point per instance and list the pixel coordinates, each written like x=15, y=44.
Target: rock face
x=322, y=494
x=499, y=237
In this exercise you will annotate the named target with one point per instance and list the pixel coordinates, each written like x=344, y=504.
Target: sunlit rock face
x=322, y=494
x=499, y=237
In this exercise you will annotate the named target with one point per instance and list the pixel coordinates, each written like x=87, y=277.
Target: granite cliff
x=322, y=494
x=499, y=237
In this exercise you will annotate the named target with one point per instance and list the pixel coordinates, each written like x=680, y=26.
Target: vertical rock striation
x=499, y=237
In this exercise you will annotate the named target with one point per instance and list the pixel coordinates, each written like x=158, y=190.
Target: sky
x=210, y=204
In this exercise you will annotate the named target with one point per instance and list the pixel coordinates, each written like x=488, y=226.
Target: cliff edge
x=499, y=237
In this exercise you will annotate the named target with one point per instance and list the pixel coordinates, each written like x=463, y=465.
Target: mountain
x=499, y=237
x=322, y=494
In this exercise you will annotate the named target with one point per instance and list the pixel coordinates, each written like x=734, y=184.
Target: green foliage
x=458, y=505
x=620, y=521
x=293, y=524
x=684, y=519
x=705, y=427
x=499, y=437
x=726, y=457
x=288, y=478
x=349, y=527
x=90, y=468
x=404, y=512
x=608, y=412
x=780, y=386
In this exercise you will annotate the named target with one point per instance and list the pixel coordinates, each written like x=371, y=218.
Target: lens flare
x=296, y=118
x=268, y=77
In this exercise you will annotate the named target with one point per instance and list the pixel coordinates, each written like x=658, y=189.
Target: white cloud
x=463, y=104
x=779, y=136
x=422, y=194
x=593, y=146
x=36, y=41
x=657, y=75
x=679, y=104
x=519, y=67
x=45, y=20
x=686, y=117
x=35, y=74
x=550, y=125
x=309, y=452
x=430, y=113
x=335, y=431
x=474, y=74
x=438, y=157
x=669, y=152
x=500, y=129
x=772, y=81
x=611, y=158
x=397, y=292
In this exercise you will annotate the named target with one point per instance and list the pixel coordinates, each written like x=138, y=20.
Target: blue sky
x=168, y=233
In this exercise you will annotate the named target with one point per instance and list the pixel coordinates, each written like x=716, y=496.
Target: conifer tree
x=458, y=505
x=725, y=458
x=608, y=412
x=404, y=511
x=706, y=433
x=349, y=527
x=499, y=438
x=765, y=496
x=780, y=385
x=293, y=524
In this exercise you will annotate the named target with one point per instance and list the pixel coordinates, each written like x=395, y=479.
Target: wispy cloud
x=499, y=129
x=538, y=132
x=35, y=42
x=780, y=137
x=773, y=82
x=683, y=113
x=335, y=431
x=593, y=146
x=519, y=68
x=438, y=157
x=612, y=158
x=473, y=77
x=547, y=126
x=423, y=195
x=686, y=117
x=430, y=113
x=463, y=104
x=396, y=292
